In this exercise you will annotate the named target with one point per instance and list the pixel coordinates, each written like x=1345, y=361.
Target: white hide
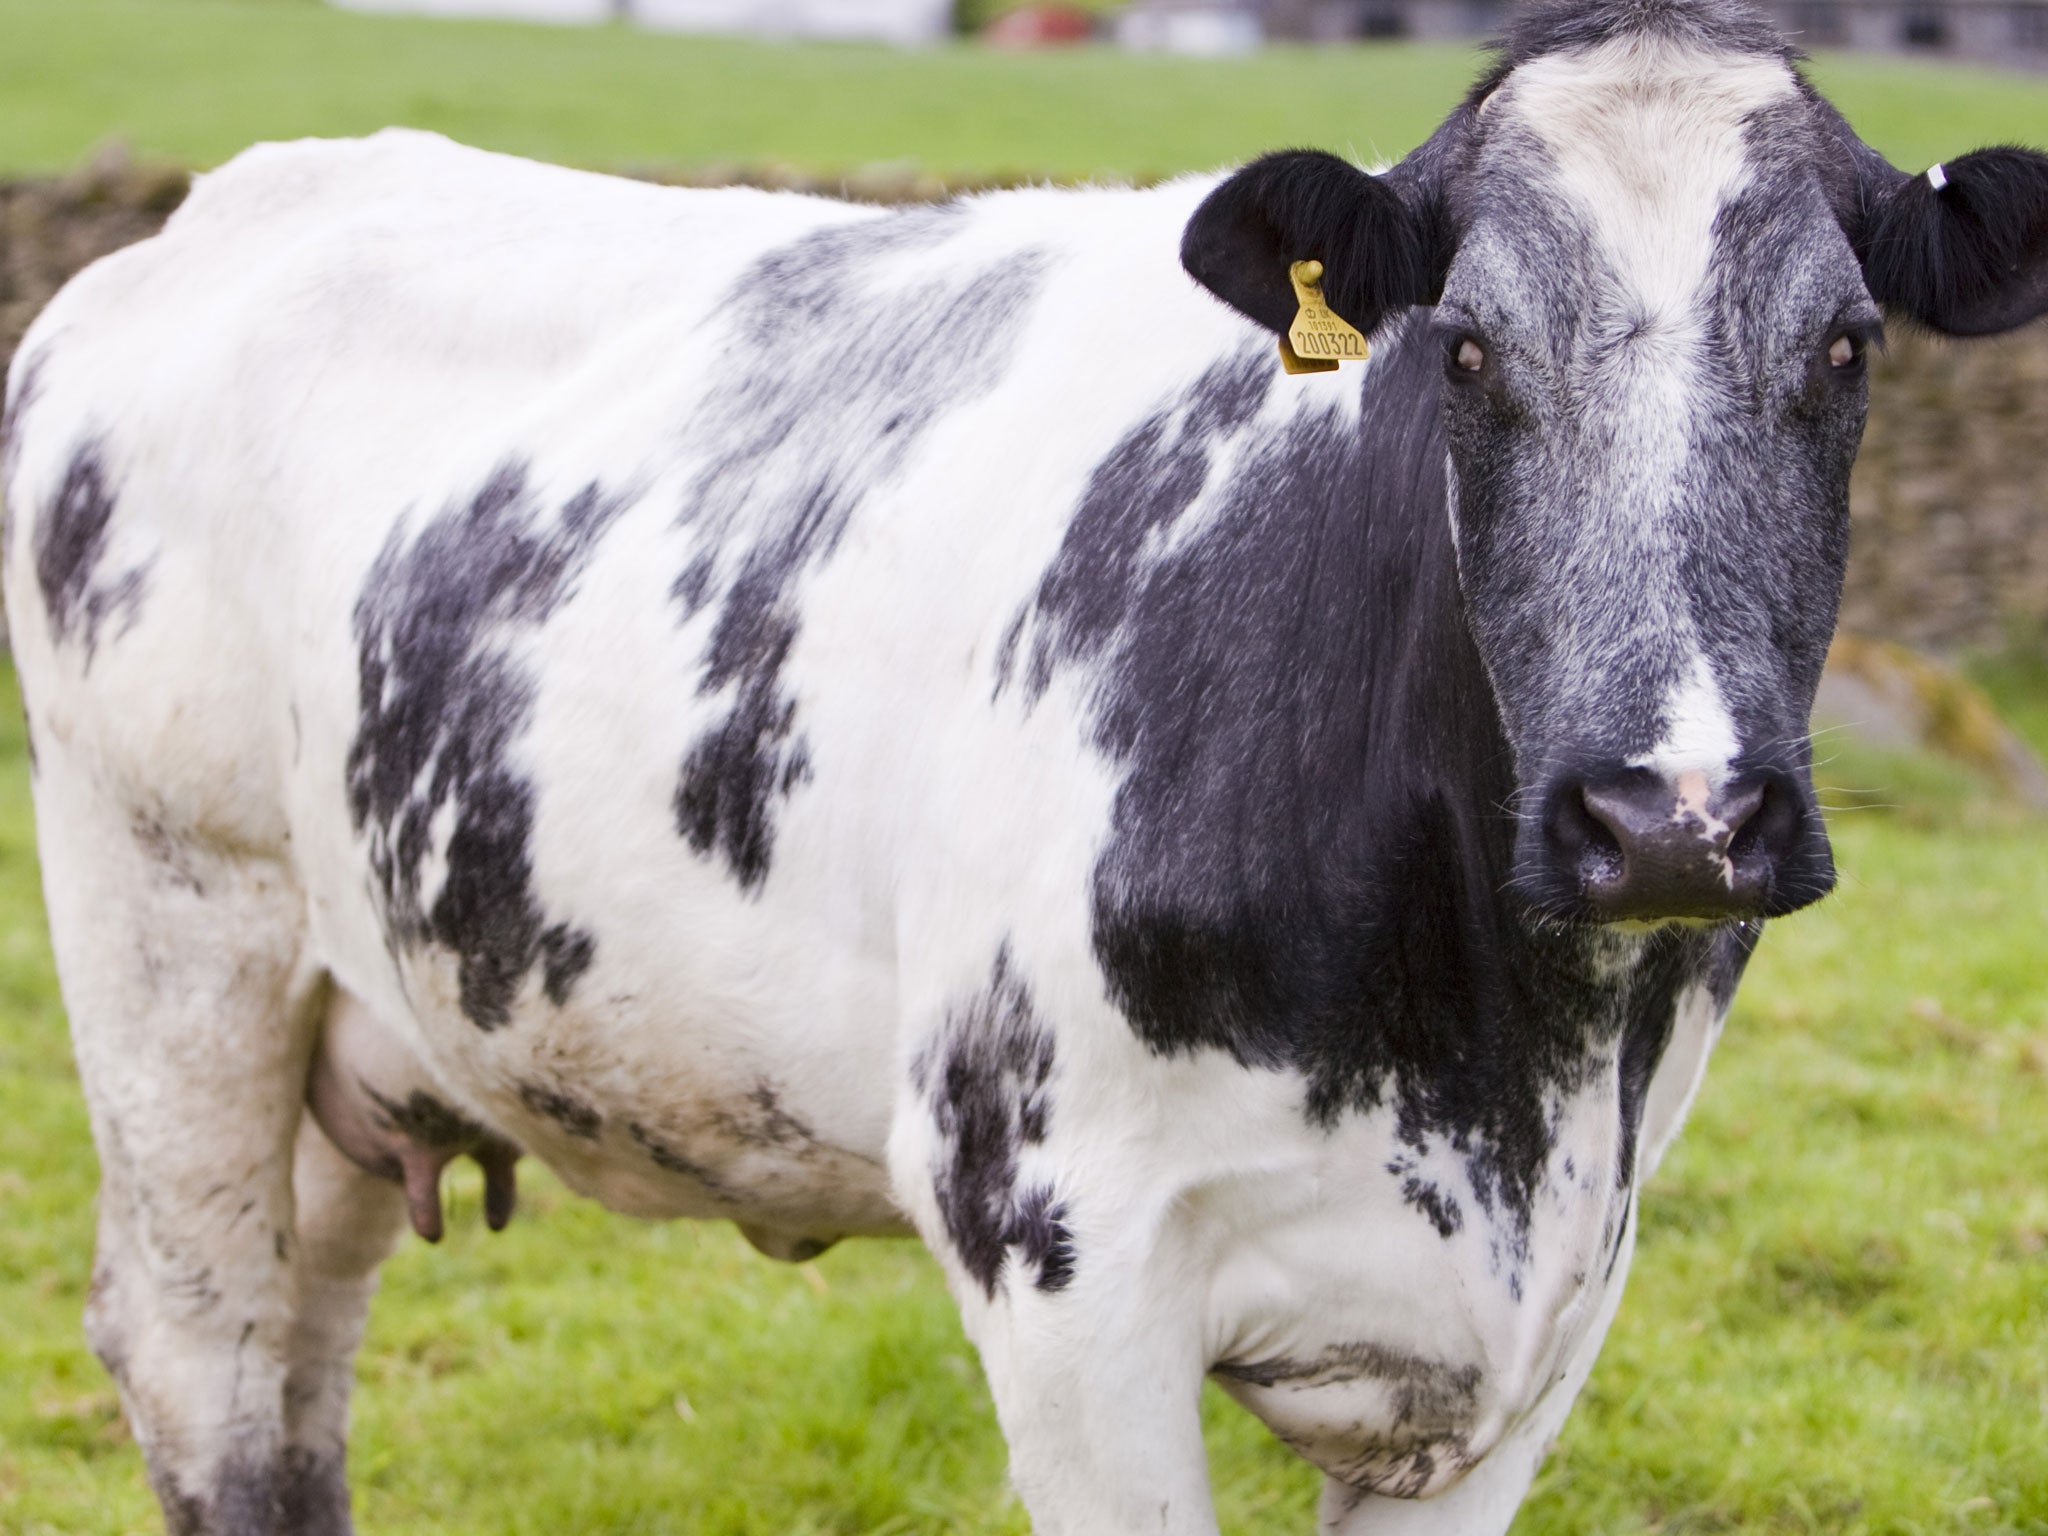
x=1647, y=135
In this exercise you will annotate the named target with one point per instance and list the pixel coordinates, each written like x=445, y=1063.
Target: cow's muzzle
x=1635, y=846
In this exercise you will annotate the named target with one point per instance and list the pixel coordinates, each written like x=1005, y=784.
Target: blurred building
x=893, y=21
x=2012, y=32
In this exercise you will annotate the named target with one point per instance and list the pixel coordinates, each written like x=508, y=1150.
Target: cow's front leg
x=1090, y=1333
x=1099, y=1392
x=1483, y=1504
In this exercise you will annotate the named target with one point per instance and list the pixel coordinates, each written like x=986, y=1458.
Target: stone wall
x=1950, y=544
x=1951, y=495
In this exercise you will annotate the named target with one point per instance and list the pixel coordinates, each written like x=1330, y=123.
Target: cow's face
x=1654, y=334
x=1643, y=257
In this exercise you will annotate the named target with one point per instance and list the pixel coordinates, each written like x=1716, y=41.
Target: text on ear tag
x=1294, y=362
x=1319, y=339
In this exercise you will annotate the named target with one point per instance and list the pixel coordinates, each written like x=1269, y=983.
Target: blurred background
x=1839, y=1315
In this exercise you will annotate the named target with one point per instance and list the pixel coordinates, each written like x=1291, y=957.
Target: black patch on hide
x=1039, y=1232
x=442, y=702
x=1146, y=485
x=424, y=1120
x=313, y=1496
x=242, y=1501
x=987, y=1077
x=836, y=376
x=71, y=539
x=669, y=1160
x=566, y=954
x=1425, y=1195
x=762, y=1121
x=571, y=1114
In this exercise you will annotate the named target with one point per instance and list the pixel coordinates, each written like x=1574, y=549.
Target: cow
x=861, y=721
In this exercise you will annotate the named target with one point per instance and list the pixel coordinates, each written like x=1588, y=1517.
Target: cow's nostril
x=1580, y=831
x=1627, y=814
x=1606, y=815
x=1736, y=814
x=1768, y=829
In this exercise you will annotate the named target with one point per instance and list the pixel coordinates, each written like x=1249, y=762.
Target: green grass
x=1838, y=1320
x=196, y=80
x=2016, y=678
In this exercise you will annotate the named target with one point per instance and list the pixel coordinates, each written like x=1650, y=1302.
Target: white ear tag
x=1937, y=177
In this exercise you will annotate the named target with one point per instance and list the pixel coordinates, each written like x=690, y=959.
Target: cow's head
x=1657, y=261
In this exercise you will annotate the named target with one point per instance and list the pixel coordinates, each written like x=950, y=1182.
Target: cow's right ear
x=1304, y=205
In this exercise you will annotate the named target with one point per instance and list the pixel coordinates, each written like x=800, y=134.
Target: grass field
x=196, y=80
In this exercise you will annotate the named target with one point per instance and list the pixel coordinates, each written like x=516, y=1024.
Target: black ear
x=1962, y=249
x=1303, y=205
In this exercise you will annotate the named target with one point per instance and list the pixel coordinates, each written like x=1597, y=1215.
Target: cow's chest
x=1387, y=1314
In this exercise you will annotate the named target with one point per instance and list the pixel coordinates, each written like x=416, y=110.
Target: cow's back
x=256, y=394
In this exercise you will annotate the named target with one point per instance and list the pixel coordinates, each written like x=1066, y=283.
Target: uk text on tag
x=1319, y=339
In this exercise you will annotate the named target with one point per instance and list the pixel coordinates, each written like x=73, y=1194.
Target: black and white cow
x=858, y=721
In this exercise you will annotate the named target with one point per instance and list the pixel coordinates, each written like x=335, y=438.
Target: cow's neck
x=1310, y=859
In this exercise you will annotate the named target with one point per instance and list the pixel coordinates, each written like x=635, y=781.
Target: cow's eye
x=1464, y=355
x=1845, y=352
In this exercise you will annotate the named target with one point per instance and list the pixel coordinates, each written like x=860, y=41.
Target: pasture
x=1838, y=1319
x=196, y=80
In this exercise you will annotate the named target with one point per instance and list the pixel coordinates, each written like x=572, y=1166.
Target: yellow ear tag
x=1319, y=339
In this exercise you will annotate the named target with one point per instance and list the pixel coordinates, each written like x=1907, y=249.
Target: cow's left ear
x=1304, y=205
x=1962, y=249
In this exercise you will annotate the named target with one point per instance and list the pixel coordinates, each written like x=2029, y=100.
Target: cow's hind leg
x=191, y=1010
x=348, y=1223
